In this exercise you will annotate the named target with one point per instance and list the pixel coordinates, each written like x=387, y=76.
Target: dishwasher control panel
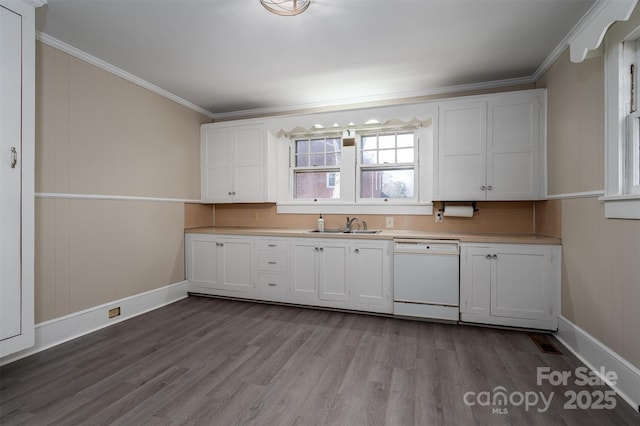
x=447, y=247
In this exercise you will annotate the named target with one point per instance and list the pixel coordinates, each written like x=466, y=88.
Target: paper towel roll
x=458, y=211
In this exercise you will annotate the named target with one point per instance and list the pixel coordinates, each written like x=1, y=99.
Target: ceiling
x=233, y=57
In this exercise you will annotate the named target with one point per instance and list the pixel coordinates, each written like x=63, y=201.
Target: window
x=359, y=168
x=316, y=168
x=622, y=179
x=387, y=165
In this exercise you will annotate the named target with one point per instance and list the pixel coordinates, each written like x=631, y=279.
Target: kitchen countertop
x=385, y=234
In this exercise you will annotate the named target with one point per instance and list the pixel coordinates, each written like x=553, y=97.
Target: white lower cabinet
x=219, y=263
x=372, y=275
x=326, y=272
x=510, y=284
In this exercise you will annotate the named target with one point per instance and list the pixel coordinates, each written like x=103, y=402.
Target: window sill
x=352, y=208
x=621, y=206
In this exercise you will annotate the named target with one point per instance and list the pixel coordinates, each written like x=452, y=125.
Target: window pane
x=388, y=156
x=405, y=155
x=333, y=145
x=333, y=159
x=394, y=183
x=370, y=157
x=302, y=160
x=387, y=141
x=302, y=146
x=311, y=185
x=369, y=142
x=317, y=145
x=317, y=160
x=405, y=140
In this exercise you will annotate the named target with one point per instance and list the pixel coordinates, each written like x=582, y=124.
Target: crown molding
x=60, y=45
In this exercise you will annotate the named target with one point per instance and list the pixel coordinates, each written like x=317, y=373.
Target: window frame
x=294, y=170
x=360, y=166
x=422, y=204
x=620, y=199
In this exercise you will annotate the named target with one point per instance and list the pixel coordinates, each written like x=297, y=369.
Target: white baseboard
x=59, y=330
x=595, y=355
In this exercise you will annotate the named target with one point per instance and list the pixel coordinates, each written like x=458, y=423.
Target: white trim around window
x=619, y=200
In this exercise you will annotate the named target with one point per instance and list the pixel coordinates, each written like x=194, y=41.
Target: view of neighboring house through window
x=316, y=167
x=387, y=165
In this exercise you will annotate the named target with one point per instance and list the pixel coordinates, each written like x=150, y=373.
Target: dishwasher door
x=426, y=276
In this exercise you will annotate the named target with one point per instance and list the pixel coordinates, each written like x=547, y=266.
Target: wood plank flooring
x=206, y=361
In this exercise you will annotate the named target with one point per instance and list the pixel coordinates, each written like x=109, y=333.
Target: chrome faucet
x=350, y=222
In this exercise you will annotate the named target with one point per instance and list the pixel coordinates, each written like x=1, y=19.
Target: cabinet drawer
x=272, y=283
x=272, y=262
x=272, y=245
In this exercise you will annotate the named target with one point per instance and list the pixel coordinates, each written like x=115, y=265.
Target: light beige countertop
x=385, y=234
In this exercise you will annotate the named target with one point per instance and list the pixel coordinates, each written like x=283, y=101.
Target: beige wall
x=97, y=134
x=510, y=217
x=601, y=271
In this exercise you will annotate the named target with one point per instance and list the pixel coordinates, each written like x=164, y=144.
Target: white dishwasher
x=426, y=279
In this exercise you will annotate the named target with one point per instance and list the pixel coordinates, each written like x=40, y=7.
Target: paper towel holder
x=473, y=204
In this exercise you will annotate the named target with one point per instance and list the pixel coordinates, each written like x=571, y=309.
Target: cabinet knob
x=356, y=251
x=488, y=256
x=494, y=256
x=321, y=248
x=229, y=192
x=317, y=249
x=273, y=284
x=483, y=187
x=490, y=188
x=272, y=262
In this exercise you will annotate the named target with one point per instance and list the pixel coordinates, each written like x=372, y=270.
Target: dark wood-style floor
x=221, y=362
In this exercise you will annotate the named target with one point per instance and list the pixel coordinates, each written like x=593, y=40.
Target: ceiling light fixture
x=286, y=7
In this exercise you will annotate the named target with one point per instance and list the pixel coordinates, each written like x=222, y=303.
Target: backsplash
x=492, y=217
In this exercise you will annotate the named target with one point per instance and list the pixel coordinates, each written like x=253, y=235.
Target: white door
x=522, y=284
x=304, y=271
x=371, y=275
x=217, y=151
x=249, y=179
x=512, y=148
x=10, y=173
x=462, y=151
x=237, y=265
x=475, y=280
x=334, y=271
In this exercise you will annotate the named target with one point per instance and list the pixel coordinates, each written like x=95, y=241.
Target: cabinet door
x=217, y=153
x=203, y=262
x=475, y=280
x=462, y=151
x=513, y=148
x=522, y=283
x=249, y=178
x=371, y=275
x=303, y=269
x=238, y=265
x=333, y=271
x=10, y=174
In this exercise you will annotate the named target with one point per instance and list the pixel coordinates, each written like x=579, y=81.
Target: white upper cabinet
x=236, y=164
x=492, y=148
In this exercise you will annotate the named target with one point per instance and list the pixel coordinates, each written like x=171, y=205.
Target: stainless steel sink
x=327, y=231
x=345, y=231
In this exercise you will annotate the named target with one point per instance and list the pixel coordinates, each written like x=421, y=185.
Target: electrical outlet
x=389, y=221
x=114, y=312
x=439, y=217
x=254, y=216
